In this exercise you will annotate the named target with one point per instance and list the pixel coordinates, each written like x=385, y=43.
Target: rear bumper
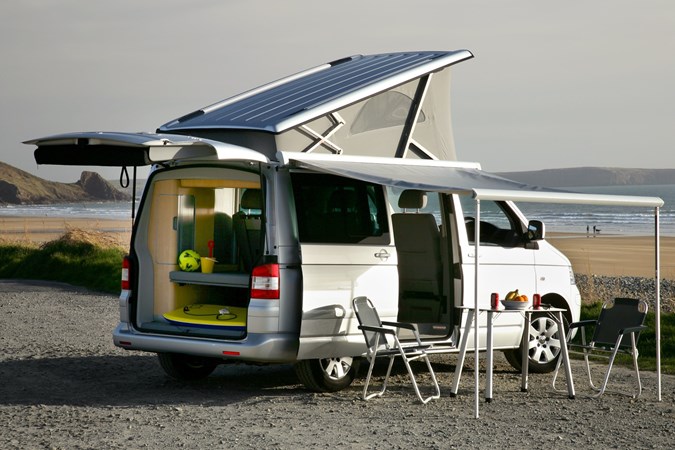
x=259, y=348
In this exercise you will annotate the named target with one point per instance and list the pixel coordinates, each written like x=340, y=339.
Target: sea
x=619, y=220
x=562, y=218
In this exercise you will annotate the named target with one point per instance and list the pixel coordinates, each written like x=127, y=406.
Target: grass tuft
x=80, y=261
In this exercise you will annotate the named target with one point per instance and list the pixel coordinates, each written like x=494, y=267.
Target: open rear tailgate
x=131, y=149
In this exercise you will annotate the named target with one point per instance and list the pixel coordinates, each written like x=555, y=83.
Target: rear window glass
x=337, y=210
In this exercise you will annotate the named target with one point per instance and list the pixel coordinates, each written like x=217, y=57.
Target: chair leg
x=379, y=393
x=365, y=396
x=588, y=372
x=609, y=368
x=434, y=381
x=437, y=390
x=601, y=390
x=634, y=353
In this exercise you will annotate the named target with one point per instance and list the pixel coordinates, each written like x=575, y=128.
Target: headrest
x=412, y=199
x=252, y=199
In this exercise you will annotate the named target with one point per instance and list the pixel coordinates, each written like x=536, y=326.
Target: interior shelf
x=236, y=279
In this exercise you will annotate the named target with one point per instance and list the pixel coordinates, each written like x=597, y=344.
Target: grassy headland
x=86, y=259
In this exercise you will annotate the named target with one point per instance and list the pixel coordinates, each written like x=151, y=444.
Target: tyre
x=186, y=367
x=327, y=375
x=543, y=349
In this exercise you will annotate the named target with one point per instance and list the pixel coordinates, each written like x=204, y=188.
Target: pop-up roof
x=394, y=104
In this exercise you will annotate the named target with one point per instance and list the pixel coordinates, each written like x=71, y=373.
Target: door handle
x=382, y=254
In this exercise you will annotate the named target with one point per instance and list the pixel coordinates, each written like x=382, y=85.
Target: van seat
x=417, y=240
x=251, y=199
x=247, y=227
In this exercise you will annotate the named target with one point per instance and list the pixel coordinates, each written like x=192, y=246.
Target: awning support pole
x=657, y=265
x=475, y=306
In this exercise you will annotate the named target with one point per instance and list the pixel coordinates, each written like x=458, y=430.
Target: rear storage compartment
x=217, y=213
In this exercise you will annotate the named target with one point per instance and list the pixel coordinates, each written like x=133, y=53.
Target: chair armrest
x=407, y=326
x=377, y=329
x=633, y=329
x=583, y=323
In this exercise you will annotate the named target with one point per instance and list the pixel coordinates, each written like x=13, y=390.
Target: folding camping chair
x=618, y=318
x=382, y=340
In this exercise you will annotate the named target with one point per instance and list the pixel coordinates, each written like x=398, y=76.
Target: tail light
x=126, y=273
x=265, y=282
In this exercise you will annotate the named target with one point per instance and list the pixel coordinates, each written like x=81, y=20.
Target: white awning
x=453, y=177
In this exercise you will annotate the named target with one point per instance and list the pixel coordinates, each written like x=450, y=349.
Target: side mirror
x=536, y=231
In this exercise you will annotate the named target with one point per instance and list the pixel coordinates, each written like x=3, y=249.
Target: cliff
x=20, y=187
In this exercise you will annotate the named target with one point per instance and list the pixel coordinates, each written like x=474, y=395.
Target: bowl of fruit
x=515, y=300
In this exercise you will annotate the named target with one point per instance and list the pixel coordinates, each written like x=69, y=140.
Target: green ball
x=189, y=261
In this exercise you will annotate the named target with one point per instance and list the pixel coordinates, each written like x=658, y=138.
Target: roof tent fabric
x=411, y=120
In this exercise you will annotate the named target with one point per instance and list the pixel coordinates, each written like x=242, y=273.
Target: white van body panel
x=332, y=276
x=501, y=270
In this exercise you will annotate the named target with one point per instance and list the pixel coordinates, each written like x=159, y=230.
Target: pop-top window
x=337, y=210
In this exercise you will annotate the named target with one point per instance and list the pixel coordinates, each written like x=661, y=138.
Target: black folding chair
x=618, y=318
x=382, y=340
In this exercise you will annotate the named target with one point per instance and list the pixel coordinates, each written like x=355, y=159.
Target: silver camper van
x=336, y=182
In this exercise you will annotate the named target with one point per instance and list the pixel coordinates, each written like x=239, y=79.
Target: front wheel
x=186, y=367
x=328, y=374
x=543, y=347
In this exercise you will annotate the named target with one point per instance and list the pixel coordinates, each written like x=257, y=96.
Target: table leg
x=462, y=354
x=525, y=343
x=489, y=362
x=566, y=357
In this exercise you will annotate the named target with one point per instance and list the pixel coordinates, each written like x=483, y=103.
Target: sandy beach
x=607, y=255
x=44, y=229
x=617, y=256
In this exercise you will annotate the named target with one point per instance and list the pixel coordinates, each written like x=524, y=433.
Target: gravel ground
x=603, y=287
x=64, y=385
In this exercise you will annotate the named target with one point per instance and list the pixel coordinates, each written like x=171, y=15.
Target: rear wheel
x=328, y=374
x=186, y=367
x=543, y=347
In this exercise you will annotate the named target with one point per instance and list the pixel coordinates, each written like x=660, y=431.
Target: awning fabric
x=459, y=178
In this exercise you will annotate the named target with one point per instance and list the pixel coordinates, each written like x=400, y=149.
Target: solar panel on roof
x=297, y=99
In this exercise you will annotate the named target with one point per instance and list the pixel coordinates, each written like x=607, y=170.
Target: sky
x=552, y=84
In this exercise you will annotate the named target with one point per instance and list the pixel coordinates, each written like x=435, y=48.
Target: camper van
x=298, y=196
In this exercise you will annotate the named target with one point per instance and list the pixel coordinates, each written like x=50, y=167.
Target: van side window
x=336, y=210
x=498, y=224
